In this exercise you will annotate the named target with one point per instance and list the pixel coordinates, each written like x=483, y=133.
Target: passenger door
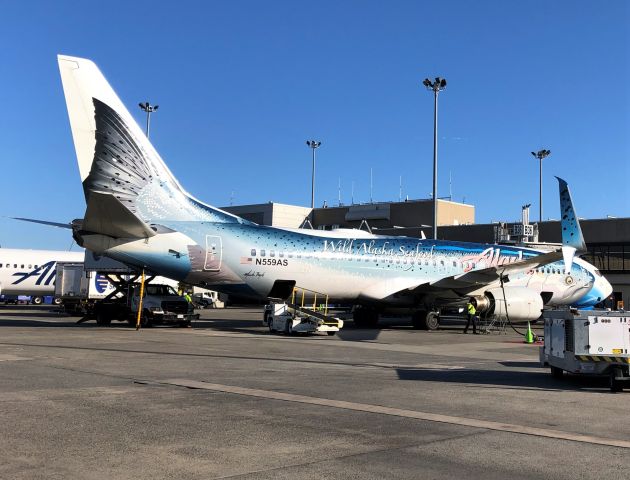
x=214, y=253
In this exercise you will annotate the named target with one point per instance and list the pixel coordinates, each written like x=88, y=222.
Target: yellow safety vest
x=471, y=309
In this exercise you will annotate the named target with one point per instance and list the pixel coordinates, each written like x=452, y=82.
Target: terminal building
x=607, y=240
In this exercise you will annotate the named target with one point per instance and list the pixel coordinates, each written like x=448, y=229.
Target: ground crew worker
x=472, y=311
x=191, y=305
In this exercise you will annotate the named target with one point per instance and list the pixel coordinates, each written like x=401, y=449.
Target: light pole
x=313, y=144
x=437, y=85
x=147, y=107
x=540, y=154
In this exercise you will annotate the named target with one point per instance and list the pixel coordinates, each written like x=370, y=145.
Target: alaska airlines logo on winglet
x=45, y=273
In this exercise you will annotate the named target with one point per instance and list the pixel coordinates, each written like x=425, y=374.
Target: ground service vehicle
x=79, y=289
x=588, y=342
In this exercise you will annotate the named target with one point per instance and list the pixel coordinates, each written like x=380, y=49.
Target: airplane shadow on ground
x=541, y=380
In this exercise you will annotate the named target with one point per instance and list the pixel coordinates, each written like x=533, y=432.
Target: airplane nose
x=604, y=287
x=599, y=292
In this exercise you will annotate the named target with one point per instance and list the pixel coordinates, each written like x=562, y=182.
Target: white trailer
x=281, y=317
x=588, y=342
x=78, y=289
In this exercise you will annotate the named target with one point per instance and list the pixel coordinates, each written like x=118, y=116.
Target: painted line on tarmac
x=397, y=412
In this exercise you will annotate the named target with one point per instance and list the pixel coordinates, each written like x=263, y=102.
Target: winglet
x=572, y=238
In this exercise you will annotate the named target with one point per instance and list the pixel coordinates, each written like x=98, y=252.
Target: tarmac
x=227, y=399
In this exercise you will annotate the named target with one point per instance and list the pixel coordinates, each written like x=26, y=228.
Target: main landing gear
x=426, y=320
x=365, y=317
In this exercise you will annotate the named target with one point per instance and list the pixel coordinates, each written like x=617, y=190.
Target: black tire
x=557, y=372
x=365, y=318
x=288, y=328
x=103, y=319
x=270, y=324
x=331, y=334
x=615, y=385
x=37, y=300
x=419, y=320
x=432, y=320
x=424, y=320
x=146, y=321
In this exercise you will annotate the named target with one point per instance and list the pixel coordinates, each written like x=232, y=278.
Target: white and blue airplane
x=32, y=272
x=139, y=214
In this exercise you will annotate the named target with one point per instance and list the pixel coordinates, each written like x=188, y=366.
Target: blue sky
x=242, y=85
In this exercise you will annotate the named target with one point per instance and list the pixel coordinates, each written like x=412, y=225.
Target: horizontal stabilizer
x=44, y=222
x=106, y=215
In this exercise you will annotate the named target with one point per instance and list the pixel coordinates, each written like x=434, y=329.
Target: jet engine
x=522, y=304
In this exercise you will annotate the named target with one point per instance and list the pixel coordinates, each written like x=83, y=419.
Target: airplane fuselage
x=248, y=259
x=31, y=272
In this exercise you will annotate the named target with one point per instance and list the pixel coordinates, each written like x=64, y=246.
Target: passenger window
x=272, y=253
x=22, y=266
x=253, y=252
x=281, y=254
x=30, y=266
x=15, y=265
x=263, y=253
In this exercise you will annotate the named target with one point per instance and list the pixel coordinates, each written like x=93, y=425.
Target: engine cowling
x=523, y=304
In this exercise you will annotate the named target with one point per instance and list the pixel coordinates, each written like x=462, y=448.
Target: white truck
x=204, y=298
x=115, y=296
x=588, y=342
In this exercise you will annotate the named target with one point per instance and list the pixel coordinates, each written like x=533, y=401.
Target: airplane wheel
x=418, y=319
x=432, y=321
x=365, y=318
x=423, y=320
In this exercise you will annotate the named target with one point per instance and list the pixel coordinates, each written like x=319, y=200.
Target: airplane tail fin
x=115, y=157
x=572, y=237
